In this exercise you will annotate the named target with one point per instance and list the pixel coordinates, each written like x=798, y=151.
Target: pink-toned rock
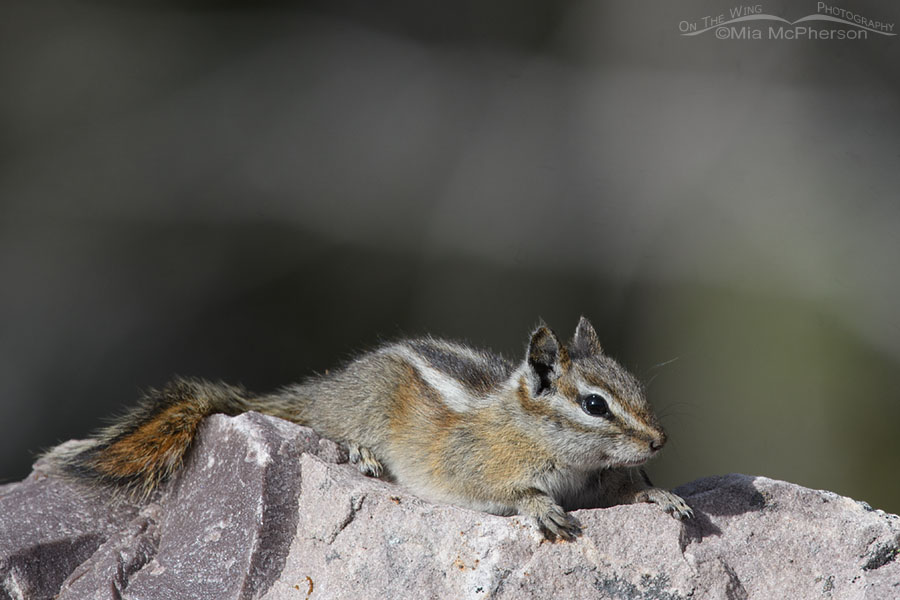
x=48, y=528
x=266, y=509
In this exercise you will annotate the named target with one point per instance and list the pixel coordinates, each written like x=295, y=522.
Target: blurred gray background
x=252, y=191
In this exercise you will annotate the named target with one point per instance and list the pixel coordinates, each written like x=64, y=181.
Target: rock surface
x=266, y=509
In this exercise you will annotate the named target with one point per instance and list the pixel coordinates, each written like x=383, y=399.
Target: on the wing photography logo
x=750, y=22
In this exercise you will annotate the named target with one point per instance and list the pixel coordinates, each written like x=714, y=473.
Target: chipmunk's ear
x=585, y=342
x=547, y=358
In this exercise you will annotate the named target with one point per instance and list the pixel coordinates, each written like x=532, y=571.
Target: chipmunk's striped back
x=462, y=375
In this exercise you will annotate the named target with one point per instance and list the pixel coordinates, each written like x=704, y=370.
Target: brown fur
x=449, y=422
x=149, y=443
x=535, y=406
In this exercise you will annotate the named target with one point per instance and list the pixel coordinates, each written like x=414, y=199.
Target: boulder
x=267, y=509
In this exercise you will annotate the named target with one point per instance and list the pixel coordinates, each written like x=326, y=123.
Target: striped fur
x=449, y=422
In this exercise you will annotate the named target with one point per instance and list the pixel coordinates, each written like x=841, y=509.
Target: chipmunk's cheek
x=589, y=452
x=634, y=454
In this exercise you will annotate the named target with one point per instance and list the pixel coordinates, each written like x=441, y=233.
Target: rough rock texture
x=266, y=509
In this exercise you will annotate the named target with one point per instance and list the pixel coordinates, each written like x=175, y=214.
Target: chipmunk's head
x=592, y=409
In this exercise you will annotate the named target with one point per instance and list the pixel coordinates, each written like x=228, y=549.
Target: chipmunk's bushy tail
x=145, y=446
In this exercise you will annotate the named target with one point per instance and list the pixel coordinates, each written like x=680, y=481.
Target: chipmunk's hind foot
x=365, y=461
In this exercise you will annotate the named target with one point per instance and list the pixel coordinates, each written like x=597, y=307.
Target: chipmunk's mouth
x=634, y=463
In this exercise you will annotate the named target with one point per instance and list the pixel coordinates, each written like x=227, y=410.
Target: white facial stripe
x=577, y=414
x=616, y=408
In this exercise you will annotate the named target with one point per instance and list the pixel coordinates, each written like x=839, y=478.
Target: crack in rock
x=115, y=561
x=355, y=505
x=40, y=570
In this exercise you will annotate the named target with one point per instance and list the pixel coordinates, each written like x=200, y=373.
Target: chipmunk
x=558, y=431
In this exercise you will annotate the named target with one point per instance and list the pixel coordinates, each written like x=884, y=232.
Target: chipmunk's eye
x=595, y=405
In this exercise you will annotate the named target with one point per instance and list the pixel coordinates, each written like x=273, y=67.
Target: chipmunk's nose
x=658, y=442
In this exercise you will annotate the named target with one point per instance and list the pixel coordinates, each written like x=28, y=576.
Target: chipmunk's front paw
x=551, y=519
x=365, y=461
x=557, y=523
x=669, y=502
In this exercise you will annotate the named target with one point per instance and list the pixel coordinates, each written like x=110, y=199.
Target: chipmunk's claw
x=669, y=502
x=365, y=461
x=557, y=523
